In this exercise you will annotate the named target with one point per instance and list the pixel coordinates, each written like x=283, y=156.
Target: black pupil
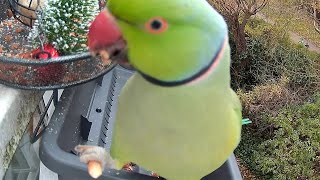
x=156, y=24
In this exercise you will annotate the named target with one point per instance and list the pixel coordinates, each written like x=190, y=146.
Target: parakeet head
x=167, y=40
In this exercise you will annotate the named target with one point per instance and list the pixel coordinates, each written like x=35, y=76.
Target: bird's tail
x=246, y=121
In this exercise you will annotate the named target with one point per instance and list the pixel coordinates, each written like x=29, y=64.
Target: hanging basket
x=53, y=73
x=41, y=71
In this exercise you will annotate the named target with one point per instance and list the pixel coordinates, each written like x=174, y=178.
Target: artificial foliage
x=65, y=24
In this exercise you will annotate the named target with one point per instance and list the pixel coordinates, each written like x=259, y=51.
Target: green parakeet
x=177, y=115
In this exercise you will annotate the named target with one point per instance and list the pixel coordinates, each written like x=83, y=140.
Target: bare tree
x=312, y=8
x=316, y=15
x=237, y=13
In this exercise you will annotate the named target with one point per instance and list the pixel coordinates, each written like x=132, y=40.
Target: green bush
x=268, y=98
x=276, y=81
x=287, y=145
x=270, y=55
x=293, y=151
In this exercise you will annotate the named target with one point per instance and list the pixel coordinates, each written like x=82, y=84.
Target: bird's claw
x=153, y=174
x=95, y=153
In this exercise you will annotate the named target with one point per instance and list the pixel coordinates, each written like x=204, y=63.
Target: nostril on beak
x=116, y=52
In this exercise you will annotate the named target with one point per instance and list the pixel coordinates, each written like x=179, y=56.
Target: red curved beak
x=105, y=38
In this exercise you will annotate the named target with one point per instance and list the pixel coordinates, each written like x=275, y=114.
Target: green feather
x=182, y=132
x=195, y=28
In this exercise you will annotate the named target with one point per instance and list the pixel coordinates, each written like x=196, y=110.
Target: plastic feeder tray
x=85, y=115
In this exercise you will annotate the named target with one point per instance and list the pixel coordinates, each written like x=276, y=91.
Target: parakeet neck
x=201, y=75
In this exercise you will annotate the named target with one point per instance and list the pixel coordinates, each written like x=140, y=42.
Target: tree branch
x=316, y=22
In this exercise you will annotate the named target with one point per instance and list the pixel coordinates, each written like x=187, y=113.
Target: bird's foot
x=153, y=174
x=129, y=167
x=97, y=158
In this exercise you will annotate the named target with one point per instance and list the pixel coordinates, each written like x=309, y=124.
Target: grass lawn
x=293, y=19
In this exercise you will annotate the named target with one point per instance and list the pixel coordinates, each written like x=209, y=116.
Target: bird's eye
x=156, y=25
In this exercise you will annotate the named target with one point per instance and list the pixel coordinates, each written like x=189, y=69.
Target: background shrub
x=276, y=81
x=283, y=145
x=270, y=56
